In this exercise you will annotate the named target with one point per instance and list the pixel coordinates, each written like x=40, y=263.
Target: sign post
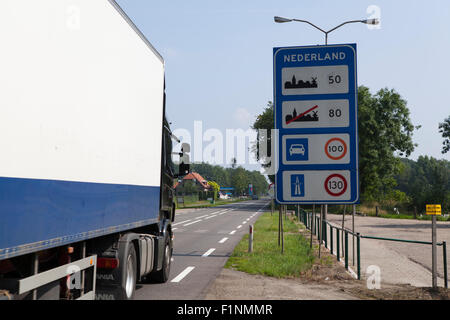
x=433, y=210
x=315, y=99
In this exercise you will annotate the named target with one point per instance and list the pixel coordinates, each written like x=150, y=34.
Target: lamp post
x=366, y=21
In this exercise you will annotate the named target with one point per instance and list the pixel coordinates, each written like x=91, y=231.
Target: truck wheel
x=129, y=278
x=162, y=275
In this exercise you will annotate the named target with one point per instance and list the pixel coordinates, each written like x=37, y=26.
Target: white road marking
x=210, y=217
x=173, y=229
x=244, y=222
x=188, y=224
x=181, y=222
x=183, y=274
x=232, y=232
x=223, y=240
x=239, y=226
x=207, y=253
x=201, y=216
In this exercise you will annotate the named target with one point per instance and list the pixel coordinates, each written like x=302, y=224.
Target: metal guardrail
x=307, y=219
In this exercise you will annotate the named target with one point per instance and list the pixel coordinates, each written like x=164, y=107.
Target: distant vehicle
x=224, y=196
x=297, y=149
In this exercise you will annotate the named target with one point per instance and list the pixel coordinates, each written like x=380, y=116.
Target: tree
x=385, y=132
x=214, y=186
x=444, y=129
x=232, y=177
x=239, y=180
x=426, y=181
x=264, y=121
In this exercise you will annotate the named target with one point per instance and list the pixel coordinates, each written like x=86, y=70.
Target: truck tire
x=162, y=275
x=129, y=277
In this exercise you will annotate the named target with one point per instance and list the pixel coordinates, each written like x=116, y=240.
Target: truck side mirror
x=184, y=160
x=185, y=148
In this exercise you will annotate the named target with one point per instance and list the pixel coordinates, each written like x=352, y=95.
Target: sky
x=219, y=65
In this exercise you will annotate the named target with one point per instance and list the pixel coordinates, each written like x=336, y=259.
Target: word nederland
x=314, y=57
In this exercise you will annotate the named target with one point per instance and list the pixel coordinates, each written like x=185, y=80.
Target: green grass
x=208, y=204
x=266, y=258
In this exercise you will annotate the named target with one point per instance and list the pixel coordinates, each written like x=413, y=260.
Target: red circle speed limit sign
x=335, y=185
x=336, y=148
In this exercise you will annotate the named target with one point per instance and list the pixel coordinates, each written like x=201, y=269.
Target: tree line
x=425, y=181
x=236, y=176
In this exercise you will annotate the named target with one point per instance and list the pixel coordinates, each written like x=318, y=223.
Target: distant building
x=198, y=181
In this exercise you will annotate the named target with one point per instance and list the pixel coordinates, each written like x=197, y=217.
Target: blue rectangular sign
x=315, y=100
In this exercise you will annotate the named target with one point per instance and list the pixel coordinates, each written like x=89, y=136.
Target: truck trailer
x=86, y=170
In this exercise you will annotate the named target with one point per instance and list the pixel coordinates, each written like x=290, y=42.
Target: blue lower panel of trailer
x=40, y=214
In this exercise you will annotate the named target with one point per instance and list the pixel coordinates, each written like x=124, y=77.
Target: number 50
x=334, y=79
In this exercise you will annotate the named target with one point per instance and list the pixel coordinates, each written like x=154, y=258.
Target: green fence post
x=358, y=257
x=346, y=250
x=324, y=233
x=331, y=238
x=444, y=255
x=338, y=252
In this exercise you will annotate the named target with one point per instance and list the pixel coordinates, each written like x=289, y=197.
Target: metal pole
x=320, y=228
x=346, y=250
x=250, y=238
x=358, y=245
x=325, y=211
x=279, y=225
x=331, y=238
x=433, y=252
x=338, y=253
x=343, y=223
x=444, y=255
x=282, y=234
x=313, y=214
x=353, y=235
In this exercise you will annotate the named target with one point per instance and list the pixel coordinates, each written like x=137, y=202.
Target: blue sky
x=218, y=55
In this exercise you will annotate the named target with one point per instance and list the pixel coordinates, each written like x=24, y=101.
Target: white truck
x=86, y=171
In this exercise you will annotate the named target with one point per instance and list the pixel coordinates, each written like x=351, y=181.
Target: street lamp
x=366, y=21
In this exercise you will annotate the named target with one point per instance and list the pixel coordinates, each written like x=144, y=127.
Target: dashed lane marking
x=223, y=240
x=207, y=253
x=183, y=274
x=181, y=222
x=188, y=224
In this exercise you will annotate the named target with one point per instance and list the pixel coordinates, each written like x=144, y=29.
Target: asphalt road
x=204, y=239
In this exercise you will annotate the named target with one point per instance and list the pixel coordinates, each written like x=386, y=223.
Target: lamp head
x=371, y=21
x=281, y=19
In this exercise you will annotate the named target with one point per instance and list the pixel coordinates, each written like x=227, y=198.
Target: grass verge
x=208, y=204
x=266, y=258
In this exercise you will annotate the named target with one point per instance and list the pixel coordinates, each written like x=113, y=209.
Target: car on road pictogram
x=297, y=149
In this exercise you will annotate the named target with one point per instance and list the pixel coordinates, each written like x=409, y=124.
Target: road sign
x=434, y=209
x=315, y=99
